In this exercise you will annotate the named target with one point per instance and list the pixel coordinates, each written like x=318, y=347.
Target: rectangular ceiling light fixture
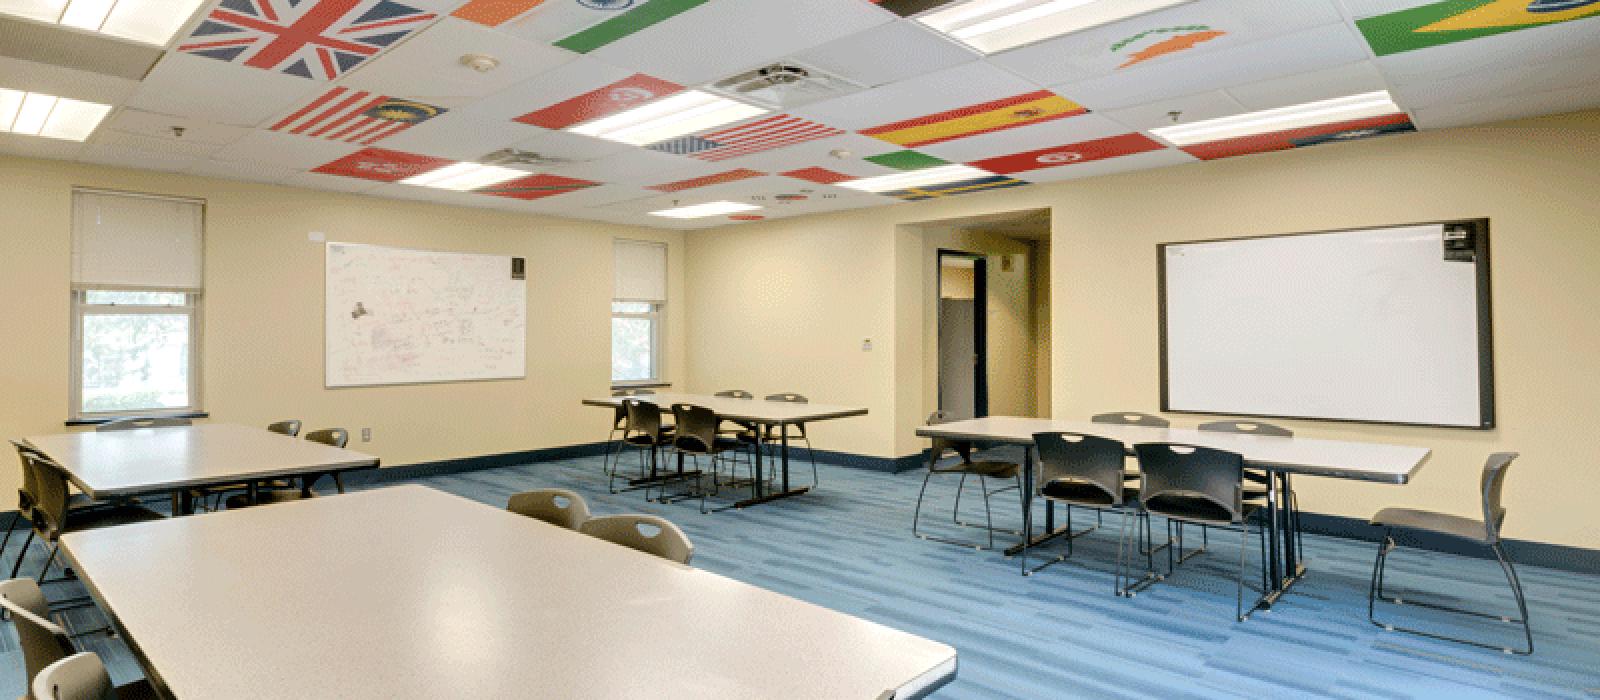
x=701, y=211
x=145, y=21
x=463, y=177
x=917, y=178
x=1342, y=109
x=684, y=113
x=37, y=114
x=991, y=26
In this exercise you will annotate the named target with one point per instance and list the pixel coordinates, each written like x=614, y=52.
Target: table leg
x=783, y=439
x=185, y=502
x=783, y=463
x=1051, y=532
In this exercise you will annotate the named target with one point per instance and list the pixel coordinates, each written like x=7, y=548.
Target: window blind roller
x=135, y=242
x=641, y=271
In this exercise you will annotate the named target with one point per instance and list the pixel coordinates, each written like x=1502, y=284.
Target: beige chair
x=332, y=437
x=635, y=531
x=44, y=642
x=51, y=515
x=555, y=506
x=77, y=677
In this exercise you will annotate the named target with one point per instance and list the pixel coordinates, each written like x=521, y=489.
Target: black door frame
x=980, y=322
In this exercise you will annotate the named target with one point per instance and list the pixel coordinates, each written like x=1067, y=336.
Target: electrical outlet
x=316, y=237
x=366, y=434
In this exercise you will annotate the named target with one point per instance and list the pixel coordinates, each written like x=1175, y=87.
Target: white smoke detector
x=483, y=63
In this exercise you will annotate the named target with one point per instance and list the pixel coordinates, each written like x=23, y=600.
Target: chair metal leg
x=1375, y=593
x=22, y=553
x=916, y=519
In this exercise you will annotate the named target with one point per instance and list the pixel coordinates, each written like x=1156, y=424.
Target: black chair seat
x=1195, y=510
x=1438, y=523
x=642, y=440
x=995, y=470
x=137, y=690
x=109, y=516
x=727, y=443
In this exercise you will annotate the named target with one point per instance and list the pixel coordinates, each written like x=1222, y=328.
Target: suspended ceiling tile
x=234, y=171
x=577, y=77
x=157, y=144
x=219, y=92
x=454, y=136
x=1137, y=46
x=124, y=157
x=820, y=153
x=1495, y=109
x=39, y=147
x=428, y=66
x=887, y=53
x=1340, y=81
x=1286, y=55
x=952, y=88
x=313, y=40
x=1122, y=164
x=17, y=74
x=335, y=183
x=567, y=146
x=638, y=166
x=1540, y=45
x=1190, y=108
x=600, y=195
x=283, y=150
x=746, y=33
x=155, y=125
x=552, y=20
x=1074, y=129
x=1508, y=80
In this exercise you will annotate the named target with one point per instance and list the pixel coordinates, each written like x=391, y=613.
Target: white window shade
x=641, y=271
x=124, y=241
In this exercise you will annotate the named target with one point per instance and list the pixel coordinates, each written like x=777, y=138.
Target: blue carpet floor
x=1061, y=633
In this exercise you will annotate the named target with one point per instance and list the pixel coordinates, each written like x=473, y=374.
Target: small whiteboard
x=1383, y=325
x=398, y=316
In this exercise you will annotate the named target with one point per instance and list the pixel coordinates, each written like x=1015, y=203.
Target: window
x=135, y=305
x=637, y=305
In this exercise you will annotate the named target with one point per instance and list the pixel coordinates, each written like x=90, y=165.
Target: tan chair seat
x=995, y=470
x=1429, y=521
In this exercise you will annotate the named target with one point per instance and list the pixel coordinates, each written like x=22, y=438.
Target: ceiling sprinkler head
x=839, y=153
x=1175, y=115
x=177, y=132
x=482, y=63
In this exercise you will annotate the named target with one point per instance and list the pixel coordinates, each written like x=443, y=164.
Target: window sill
x=74, y=422
x=650, y=384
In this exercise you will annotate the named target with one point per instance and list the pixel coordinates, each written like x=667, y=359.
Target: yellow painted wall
x=263, y=322
x=854, y=274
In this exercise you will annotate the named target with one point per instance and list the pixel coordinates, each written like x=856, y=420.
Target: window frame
x=656, y=317
x=82, y=308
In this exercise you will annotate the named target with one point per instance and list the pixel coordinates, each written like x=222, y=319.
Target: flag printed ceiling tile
x=620, y=96
x=317, y=40
x=1080, y=128
x=428, y=66
x=383, y=165
x=1146, y=160
x=819, y=175
x=1036, y=107
x=354, y=116
x=887, y=53
x=454, y=136
x=747, y=34
x=1134, y=47
x=1070, y=154
x=536, y=186
x=1289, y=54
x=569, y=80
x=907, y=160
x=277, y=149
x=632, y=19
x=1499, y=51
x=968, y=84
x=493, y=13
x=552, y=20
x=955, y=189
x=1297, y=138
x=763, y=134
x=1454, y=21
x=908, y=8
x=1190, y=108
x=706, y=180
x=843, y=152
x=218, y=92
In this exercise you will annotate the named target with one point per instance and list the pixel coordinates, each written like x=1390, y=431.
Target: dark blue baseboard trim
x=470, y=464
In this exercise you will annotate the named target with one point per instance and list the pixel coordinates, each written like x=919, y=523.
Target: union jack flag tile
x=314, y=39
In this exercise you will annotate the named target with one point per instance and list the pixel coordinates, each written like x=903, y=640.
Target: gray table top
x=749, y=410
x=148, y=460
x=408, y=592
x=1365, y=461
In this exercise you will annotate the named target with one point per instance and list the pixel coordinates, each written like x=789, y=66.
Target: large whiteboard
x=1366, y=325
x=398, y=316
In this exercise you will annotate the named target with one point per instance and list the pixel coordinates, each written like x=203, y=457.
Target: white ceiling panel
x=1290, y=54
x=138, y=121
x=39, y=147
x=746, y=34
x=1525, y=105
x=453, y=136
x=428, y=66
x=228, y=170
x=284, y=150
x=568, y=146
x=29, y=76
x=1349, y=79
x=1025, y=138
x=158, y=144
x=1190, y=108
x=569, y=80
x=219, y=92
x=962, y=86
x=818, y=153
x=887, y=53
x=638, y=166
x=124, y=157
x=1507, y=81
x=336, y=183
x=1109, y=166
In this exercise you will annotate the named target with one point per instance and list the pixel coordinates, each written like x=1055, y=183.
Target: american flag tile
x=717, y=179
x=355, y=116
x=754, y=137
x=382, y=165
x=314, y=39
x=622, y=95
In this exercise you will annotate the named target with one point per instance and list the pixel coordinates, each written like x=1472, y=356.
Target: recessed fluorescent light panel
x=991, y=26
x=146, y=21
x=683, y=113
x=37, y=114
x=1343, y=109
x=917, y=178
x=701, y=211
x=463, y=177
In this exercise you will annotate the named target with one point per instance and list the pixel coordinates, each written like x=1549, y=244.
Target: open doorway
x=963, y=345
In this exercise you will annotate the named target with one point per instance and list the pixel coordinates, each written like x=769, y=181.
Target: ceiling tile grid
x=357, y=95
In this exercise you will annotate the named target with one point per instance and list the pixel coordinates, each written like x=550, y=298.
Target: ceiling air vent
x=786, y=84
x=522, y=160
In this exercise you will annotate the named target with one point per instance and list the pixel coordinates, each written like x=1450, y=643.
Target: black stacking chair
x=332, y=437
x=983, y=469
x=746, y=431
x=1199, y=485
x=697, y=437
x=51, y=515
x=1084, y=471
x=643, y=432
x=1132, y=473
x=1257, y=482
x=1484, y=532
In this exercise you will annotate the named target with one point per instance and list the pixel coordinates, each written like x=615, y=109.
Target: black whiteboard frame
x=1478, y=226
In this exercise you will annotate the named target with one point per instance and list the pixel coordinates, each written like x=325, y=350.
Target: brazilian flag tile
x=1451, y=21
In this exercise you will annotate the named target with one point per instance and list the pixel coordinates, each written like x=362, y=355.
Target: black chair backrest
x=644, y=418
x=1246, y=427
x=28, y=493
x=735, y=394
x=286, y=427
x=1087, y=460
x=789, y=397
x=1191, y=482
x=1494, y=478
x=136, y=423
x=697, y=428
x=50, y=496
x=1132, y=418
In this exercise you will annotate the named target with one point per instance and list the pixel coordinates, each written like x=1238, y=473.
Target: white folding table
x=1278, y=456
x=179, y=458
x=765, y=414
x=409, y=592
